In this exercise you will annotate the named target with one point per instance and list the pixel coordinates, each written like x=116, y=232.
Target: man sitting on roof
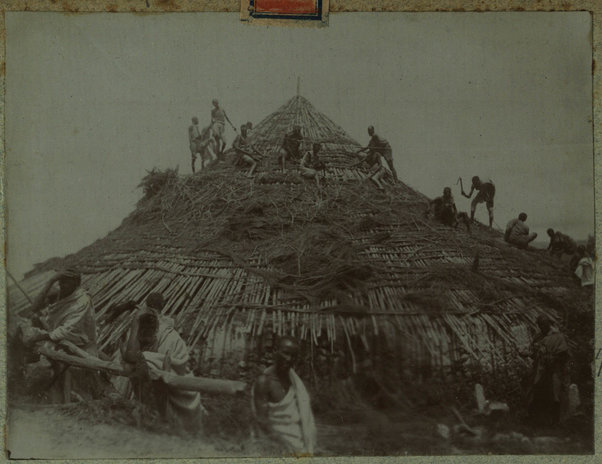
x=548, y=389
x=311, y=164
x=517, y=232
x=245, y=154
x=281, y=404
x=290, y=145
x=444, y=208
x=154, y=346
x=378, y=168
x=486, y=194
x=560, y=244
x=381, y=146
x=71, y=317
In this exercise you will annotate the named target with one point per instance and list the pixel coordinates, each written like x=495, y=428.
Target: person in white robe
x=154, y=342
x=281, y=403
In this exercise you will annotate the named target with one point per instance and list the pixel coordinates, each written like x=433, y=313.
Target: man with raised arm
x=486, y=194
x=281, y=402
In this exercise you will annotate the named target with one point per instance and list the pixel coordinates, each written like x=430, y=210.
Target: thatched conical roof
x=341, y=266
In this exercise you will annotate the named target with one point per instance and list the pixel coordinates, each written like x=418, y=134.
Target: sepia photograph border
x=335, y=6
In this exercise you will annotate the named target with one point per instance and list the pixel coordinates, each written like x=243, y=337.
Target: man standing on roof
x=486, y=194
x=71, y=317
x=290, y=145
x=517, y=232
x=380, y=145
x=194, y=139
x=547, y=395
x=245, y=154
x=281, y=404
x=153, y=347
x=218, y=125
x=560, y=244
x=311, y=164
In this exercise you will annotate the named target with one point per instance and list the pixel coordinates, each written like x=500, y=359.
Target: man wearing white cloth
x=154, y=343
x=281, y=403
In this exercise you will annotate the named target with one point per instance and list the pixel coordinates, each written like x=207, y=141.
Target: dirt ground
x=75, y=431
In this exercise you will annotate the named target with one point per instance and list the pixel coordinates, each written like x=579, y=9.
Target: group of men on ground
x=150, y=347
x=279, y=399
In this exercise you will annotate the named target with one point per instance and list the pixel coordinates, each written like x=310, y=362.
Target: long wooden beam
x=190, y=383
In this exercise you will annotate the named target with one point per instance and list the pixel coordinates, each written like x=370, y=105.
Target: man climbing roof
x=379, y=168
x=486, y=195
x=380, y=145
x=311, y=163
x=245, y=153
x=517, y=232
x=281, y=403
x=560, y=243
x=291, y=145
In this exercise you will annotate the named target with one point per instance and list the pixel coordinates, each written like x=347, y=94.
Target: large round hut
x=356, y=274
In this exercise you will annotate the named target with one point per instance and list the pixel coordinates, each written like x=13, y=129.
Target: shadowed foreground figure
x=517, y=232
x=153, y=346
x=281, y=404
x=548, y=390
x=71, y=318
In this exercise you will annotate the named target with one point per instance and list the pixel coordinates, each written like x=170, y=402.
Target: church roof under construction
x=278, y=254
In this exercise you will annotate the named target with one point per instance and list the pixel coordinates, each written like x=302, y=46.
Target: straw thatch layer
x=345, y=268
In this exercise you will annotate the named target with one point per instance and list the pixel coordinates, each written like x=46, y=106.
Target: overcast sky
x=93, y=101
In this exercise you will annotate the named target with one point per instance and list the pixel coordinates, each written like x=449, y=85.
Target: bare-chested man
x=381, y=146
x=218, y=126
x=486, y=194
x=281, y=403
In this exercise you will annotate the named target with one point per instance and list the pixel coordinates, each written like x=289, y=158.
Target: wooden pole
x=190, y=383
x=19, y=287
